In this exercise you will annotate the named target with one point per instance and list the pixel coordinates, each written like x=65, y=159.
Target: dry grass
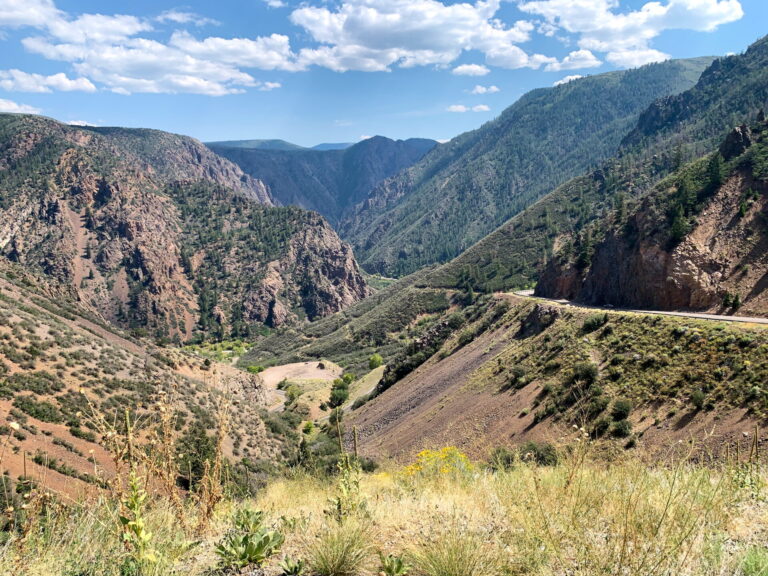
x=581, y=517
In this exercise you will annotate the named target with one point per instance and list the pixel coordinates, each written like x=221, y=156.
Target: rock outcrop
x=721, y=255
x=155, y=232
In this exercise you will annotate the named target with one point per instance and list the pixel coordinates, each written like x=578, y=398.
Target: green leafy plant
x=348, y=500
x=135, y=534
x=238, y=550
x=292, y=567
x=249, y=542
x=392, y=565
x=248, y=521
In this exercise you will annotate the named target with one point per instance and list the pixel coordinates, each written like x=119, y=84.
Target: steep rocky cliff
x=699, y=241
x=137, y=224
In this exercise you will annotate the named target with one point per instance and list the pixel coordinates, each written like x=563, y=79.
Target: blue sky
x=334, y=70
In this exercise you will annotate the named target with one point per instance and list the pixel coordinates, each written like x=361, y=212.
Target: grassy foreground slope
x=440, y=516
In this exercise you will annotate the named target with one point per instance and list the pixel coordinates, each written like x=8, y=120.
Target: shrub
x=502, y=458
x=600, y=427
x=375, y=361
x=585, y=372
x=621, y=409
x=596, y=406
x=542, y=453
x=621, y=429
x=697, y=399
x=449, y=462
x=594, y=322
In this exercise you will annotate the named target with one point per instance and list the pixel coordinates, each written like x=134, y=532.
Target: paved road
x=716, y=317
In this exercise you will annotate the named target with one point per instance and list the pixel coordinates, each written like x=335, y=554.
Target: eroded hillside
x=154, y=232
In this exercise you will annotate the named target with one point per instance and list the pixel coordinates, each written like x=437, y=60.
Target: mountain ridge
x=156, y=232
x=331, y=181
x=462, y=190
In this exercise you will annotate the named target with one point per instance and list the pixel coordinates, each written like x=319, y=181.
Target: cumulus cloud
x=110, y=50
x=141, y=65
x=14, y=108
x=126, y=54
x=18, y=13
x=268, y=86
x=485, y=89
x=576, y=60
x=80, y=123
x=567, y=79
x=481, y=108
x=265, y=53
x=471, y=70
x=18, y=81
x=626, y=36
x=379, y=34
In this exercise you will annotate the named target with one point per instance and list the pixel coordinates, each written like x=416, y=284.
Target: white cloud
x=471, y=70
x=109, y=49
x=632, y=58
x=80, y=123
x=378, y=34
x=18, y=13
x=461, y=108
x=275, y=3
x=181, y=17
x=485, y=89
x=268, y=86
x=567, y=79
x=14, y=108
x=18, y=81
x=364, y=137
x=626, y=36
x=140, y=65
x=575, y=60
x=266, y=53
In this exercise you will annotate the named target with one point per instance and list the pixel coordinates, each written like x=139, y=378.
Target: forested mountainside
x=155, y=232
x=330, y=181
x=464, y=189
x=698, y=241
x=727, y=94
x=730, y=92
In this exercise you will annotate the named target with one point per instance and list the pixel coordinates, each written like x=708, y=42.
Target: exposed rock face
x=725, y=252
x=152, y=230
x=737, y=142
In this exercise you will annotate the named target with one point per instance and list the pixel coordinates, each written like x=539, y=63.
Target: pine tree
x=715, y=171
